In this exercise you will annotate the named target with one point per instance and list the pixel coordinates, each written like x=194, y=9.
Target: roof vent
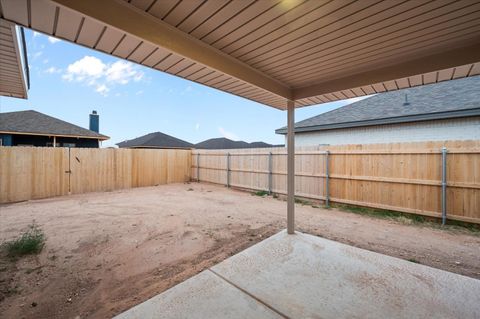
x=406, y=100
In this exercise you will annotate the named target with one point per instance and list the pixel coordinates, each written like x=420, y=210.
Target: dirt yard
x=106, y=252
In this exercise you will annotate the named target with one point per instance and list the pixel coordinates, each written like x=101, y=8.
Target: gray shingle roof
x=156, y=140
x=220, y=143
x=39, y=123
x=225, y=143
x=450, y=99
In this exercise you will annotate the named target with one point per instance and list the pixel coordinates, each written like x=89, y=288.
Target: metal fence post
x=444, y=185
x=69, y=171
x=228, y=169
x=270, y=173
x=327, y=178
x=198, y=167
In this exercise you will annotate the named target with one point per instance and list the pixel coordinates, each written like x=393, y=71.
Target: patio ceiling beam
x=129, y=19
x=434, y=62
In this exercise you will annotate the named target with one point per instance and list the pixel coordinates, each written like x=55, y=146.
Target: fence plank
x=28, y=173
x=399, y=176
x=41, y=172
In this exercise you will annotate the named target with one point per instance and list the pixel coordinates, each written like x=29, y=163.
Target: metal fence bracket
x=270, y=173
x=228, y=170
x=327, y=178
x=198, y=167
x=444, y=185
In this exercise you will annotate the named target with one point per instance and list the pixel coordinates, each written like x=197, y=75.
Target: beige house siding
x=453, y=129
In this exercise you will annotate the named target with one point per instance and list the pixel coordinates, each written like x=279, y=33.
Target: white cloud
x=139, y=92
x=227, y=134
x=52, y=70
x=52, y=39
x=102, y=89
x=88, y=68
x=197, y=126
x=122, y=72
x=36, y=34
x=94, y=72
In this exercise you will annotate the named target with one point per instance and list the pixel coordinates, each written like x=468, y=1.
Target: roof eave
x=390, y=120
x=102, y=138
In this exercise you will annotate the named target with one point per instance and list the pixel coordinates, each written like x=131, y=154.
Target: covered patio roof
x=272, y=51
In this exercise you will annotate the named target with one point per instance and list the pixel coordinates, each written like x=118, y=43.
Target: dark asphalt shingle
x=221, y=143
x=155, y=140
x=441, y=100
x=225, y=143
x=39, y=123
x=161, y=140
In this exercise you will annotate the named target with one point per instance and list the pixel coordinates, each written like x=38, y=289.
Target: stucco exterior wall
x=454, y=129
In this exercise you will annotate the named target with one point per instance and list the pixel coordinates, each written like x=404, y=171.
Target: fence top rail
x=399, y=152
x=256, y=154
x=352, y=152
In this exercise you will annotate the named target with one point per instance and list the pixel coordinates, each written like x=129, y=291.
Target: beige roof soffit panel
x=435, y=62
x=127, y=18
x=16, y=89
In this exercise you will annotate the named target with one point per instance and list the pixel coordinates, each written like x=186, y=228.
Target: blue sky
x=69, y=81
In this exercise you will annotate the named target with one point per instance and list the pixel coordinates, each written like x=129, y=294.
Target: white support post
x=54, y=141
x=290, y=167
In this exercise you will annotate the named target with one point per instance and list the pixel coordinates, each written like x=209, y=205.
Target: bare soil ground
x=106, y=252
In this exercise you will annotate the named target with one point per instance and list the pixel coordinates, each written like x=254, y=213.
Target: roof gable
x=24, y=122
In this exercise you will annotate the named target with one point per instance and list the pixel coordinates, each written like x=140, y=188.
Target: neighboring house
x=444, y=111
x=155, y=140
x=32, y=128
x=161, y=140
x=225, y=143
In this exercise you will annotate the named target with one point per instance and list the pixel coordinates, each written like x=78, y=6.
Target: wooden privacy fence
x=40, y=172
x=406, y=177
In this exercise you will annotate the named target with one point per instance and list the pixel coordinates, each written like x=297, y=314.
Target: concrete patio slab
x=202, y=296
x=304, y=276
